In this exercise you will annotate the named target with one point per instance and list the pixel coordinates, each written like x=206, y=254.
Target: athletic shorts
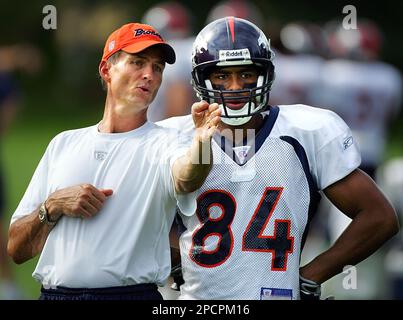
x=147, y=291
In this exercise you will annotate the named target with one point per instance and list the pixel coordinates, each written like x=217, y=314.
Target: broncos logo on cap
x=140, y=32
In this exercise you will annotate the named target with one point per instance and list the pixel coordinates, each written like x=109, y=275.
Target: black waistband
x=100, y=291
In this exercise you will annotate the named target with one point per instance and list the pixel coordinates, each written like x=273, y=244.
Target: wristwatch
x=44, y=217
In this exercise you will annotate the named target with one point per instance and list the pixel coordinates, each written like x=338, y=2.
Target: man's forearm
x=27, y=237
x=191, y=170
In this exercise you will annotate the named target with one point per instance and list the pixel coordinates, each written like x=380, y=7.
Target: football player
x=245, y=239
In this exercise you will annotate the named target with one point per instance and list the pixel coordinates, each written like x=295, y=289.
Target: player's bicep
x=354, y=193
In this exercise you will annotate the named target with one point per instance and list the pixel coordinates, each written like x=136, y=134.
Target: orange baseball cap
x=135, y=37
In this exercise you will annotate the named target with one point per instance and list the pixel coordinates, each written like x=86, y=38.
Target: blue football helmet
x=232, y=41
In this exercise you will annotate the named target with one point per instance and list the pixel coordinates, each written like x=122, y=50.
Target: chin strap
x=233, y=121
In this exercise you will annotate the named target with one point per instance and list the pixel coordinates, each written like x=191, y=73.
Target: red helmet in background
x=236, y=8
x=363, y=43
x=303, y=37
x=171, y=19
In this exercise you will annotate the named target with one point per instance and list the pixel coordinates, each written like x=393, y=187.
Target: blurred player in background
x=9, y=101
x=366, y=93
x=390, y=178
x=175, y=94
x=26, y=59
x=298, y=64
x=237, y=8
x=254, y=209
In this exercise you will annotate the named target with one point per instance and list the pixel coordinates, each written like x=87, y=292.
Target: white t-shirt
x=127, y=242
x=245, y=240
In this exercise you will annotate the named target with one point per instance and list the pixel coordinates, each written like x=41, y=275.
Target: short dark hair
x=112, y=59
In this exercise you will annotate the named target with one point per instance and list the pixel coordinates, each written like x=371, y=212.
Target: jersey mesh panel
x=244, y=273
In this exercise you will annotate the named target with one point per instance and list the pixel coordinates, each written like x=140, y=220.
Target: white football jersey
x=245, y=240
x=367, y=95
x=127, y=242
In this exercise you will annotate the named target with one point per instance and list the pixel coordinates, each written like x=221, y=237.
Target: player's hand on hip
x=206, y=118
x=81, y=201
x=309, y=289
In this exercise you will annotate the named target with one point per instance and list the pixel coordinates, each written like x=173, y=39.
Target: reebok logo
x=140, y=32
x=100, y=155
x=348, y=142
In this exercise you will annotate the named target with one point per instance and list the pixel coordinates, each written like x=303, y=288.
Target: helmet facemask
x=255, y=95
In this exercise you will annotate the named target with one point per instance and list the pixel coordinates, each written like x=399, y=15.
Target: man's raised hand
x=206, y=118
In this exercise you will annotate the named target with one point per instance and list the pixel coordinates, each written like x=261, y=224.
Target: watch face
x=42, y=214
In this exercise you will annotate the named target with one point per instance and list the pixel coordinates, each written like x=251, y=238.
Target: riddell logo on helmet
x=234, y=54
x=242, y=54
x=140, y=32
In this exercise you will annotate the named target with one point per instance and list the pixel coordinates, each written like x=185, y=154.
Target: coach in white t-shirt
x=102, y=200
